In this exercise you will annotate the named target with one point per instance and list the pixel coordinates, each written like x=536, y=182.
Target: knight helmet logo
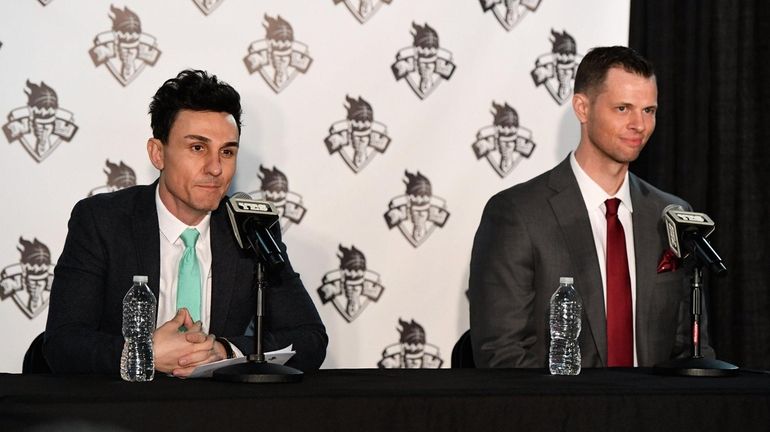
x=278, y=57
x=411, y=351
x=358, y=138
x=504, y=142
x=363, y=9
x=510, y=12
x=424, y=64
x=119, y=176
x=556, y=70
x=351, y=287
x=125, y=50
x=275, y=189
x=29, y=280
x=418, y=212
x=207, y=6
x=41, y=125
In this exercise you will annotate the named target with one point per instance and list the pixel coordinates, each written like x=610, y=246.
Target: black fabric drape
x=712, y=148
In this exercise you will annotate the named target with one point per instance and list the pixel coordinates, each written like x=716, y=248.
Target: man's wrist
x=229, y=353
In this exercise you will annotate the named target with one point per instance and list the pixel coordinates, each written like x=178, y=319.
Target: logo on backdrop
x=41, y=125
x=207, y=6
x=119, y=176
x=351, y=287
x=418, y=212
x=510, y=12
x=411, y=351
x=424, y=64
x=275, y=188
x=358, y=138
x=504, y=142
x=363, y=9
x=556, y=70
x=45, y=2
x=28, y=282
x=125, y=50
x=278, y=57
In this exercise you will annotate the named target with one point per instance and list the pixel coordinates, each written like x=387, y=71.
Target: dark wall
x=711, y=147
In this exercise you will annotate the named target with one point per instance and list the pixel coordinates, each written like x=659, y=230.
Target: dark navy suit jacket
x=113, y=237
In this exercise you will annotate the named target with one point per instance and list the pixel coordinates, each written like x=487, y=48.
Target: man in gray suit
x=554, y=225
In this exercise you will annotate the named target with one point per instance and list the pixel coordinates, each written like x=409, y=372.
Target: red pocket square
x=668, y=262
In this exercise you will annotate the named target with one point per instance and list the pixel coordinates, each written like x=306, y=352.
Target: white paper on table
x=280, y=357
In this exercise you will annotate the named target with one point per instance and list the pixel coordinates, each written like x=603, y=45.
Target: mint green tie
x=188, y=289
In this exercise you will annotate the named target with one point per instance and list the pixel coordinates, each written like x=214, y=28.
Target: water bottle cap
x=140, y=279
x=565, y=280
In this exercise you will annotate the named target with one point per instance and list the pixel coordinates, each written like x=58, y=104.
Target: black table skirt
x=393, y=400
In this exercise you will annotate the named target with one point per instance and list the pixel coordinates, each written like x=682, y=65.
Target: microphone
x=687, y=233
x=251, y=221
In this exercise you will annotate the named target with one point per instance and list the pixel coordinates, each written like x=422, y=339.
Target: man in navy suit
x=556, y=225
x=196, y=126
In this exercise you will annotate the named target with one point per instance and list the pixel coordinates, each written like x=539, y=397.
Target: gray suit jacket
x=114, y=236
x=534, y=233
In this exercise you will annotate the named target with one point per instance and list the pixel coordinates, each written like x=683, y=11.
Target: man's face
x=426, y=69
x=281, y=62
x=197, y=164
x=506, y=144
x=35, y=284
x=620, y=117
x=360, y=141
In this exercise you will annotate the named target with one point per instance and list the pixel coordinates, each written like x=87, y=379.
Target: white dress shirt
x=594, y=197
x=171, y=250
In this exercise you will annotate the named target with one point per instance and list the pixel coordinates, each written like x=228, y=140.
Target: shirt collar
x=171, y=227
x=593, y=194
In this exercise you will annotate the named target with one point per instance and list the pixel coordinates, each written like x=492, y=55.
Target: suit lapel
x=146, y=236
x=645, y=220
x=225, y=261
x=572, y=217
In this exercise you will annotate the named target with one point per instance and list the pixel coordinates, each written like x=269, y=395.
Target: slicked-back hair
x=193, y=90
x=593, y=68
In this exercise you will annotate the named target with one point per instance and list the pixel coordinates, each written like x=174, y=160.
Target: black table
x=394, y=400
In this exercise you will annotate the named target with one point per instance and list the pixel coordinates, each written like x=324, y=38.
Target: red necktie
x=620, y=329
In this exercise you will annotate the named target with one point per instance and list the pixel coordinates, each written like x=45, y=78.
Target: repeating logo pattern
x=119, y=176
x=556, y=70
x=504, y=142
x=351, y=287
x=358, y=138
x=278, y=57
x=424, y=64
x=28, y=282
x=510, y=12
x=125, y=49
x=275, y=188
x=418, y=212
x=363, y=9
x=207, y=6
x=41, y=125
x=411, y=351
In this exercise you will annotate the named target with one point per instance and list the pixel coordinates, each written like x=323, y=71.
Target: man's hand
x=170, y=344
x=206, y=350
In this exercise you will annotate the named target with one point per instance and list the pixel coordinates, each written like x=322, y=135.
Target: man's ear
x=155, y=150
x=582, y=106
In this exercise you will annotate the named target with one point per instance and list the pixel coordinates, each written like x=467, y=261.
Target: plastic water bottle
x=139, y=305
x=564, y=356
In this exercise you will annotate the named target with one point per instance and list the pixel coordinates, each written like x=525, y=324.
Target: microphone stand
x=696, y=365
x=257, y=369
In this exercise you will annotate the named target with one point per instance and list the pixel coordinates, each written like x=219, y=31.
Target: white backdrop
x=93, y=109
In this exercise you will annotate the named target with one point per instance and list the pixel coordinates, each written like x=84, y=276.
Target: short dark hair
x=593, y=68
x=194, y=90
